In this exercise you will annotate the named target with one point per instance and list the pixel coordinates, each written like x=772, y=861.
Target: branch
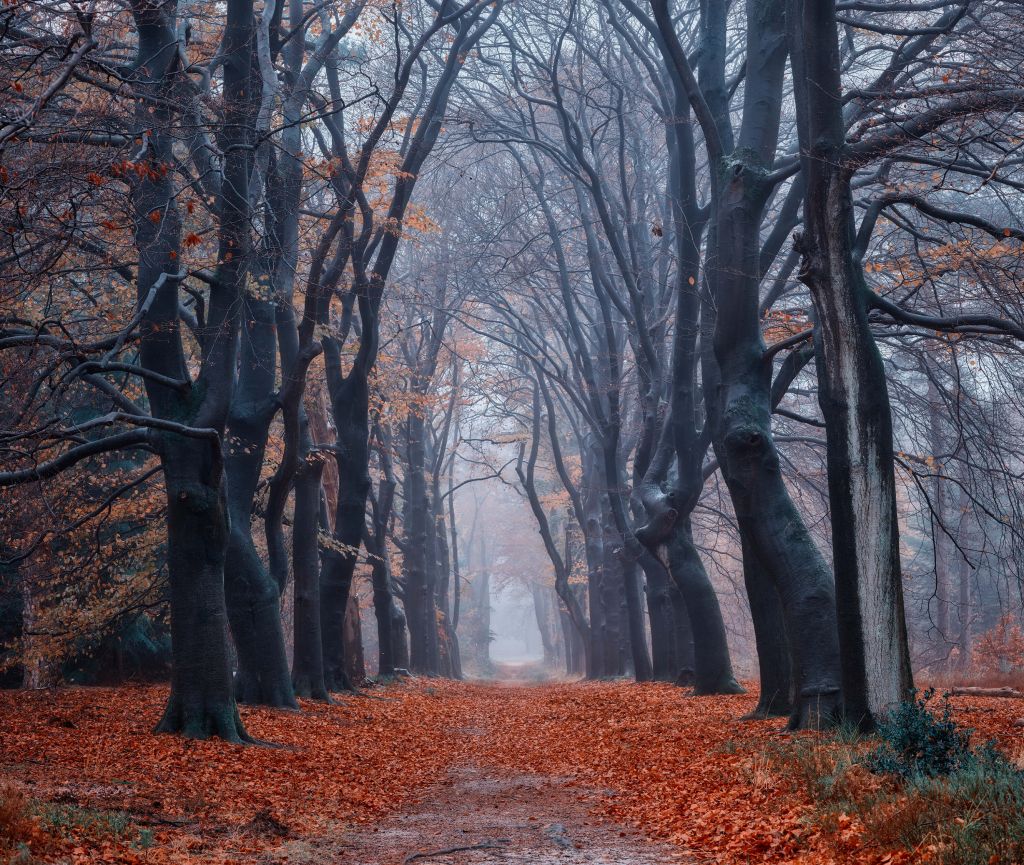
x=129, y=439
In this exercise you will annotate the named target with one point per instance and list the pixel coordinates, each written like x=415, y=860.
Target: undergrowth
x=30, y=830
x=920, y=786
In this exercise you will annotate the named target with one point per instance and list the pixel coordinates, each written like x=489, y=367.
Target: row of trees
x=704, y=283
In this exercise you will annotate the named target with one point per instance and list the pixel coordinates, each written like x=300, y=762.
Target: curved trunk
x=668, y=531
x=773, y=658
x=767, y=517
x=712, y=666
x=779, y=539
x=253, y=598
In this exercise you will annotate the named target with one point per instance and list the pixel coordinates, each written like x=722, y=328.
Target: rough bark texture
x=853, y=393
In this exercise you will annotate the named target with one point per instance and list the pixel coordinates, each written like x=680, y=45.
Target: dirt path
x=481, y=815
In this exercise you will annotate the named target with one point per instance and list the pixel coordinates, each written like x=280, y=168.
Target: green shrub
x=972, y=816
x=917, y=742
x=66, y=818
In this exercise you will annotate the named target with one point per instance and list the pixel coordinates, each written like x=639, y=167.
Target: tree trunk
x=943, y=550
x=773, y=655
x=659, y=610
x=419, y=555
x=350, y=408
x=682, y=637
x=201, y=703
x=964, y=586
x=390, y=621
x=355, y=663
x=852, y=389
x=766, y=515
x=712, y=665
x=253, y=598
x=308, y=659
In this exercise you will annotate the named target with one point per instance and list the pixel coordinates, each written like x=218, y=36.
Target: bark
x=1012, y=693
x=308, y=661
x=201, y=702
x=253, y=599
x=712, y=672
x=773, y=655
x=737, y=374
x=419, y=559
x=350, y=409
x=964, y=584
x=661, y=615
x=682, y=637
x=852, y=389
x=942, y=547
x=452, y=621
x=355, y=663
x=390, y=620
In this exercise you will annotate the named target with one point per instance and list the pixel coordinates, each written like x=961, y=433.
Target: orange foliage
x=1000, y=650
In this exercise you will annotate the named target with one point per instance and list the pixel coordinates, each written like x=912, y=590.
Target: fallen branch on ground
x=483, y=845
x=987, y=692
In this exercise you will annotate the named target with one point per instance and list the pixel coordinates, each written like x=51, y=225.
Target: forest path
x=485, y=811
x=484, y=815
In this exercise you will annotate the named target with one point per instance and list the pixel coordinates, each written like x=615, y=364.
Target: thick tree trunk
x=669, y=532
x=773, y=655
x=682, y=637
x=308, y=660
x=852, y=389
x=350, y=408
x=355, y=662
x=201, y=703
x=768, y=519
x=712, y=665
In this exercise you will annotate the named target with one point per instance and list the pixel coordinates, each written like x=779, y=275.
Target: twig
x=483, y=845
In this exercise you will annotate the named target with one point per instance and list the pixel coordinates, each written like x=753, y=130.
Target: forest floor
x=612, y=773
